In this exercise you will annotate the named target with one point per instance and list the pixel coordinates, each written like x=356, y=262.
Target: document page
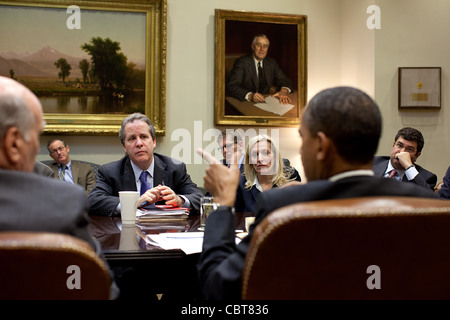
x=273, y=105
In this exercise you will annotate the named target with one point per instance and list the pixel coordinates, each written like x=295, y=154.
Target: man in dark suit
x=401, y=164
x=252, y=76
x=231, y=145
x=340, y=130
x=165, y=179
x=29, y=201
x=68, y=170
x=444, y=190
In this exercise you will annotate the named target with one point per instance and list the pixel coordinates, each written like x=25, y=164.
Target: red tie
x=392, y=174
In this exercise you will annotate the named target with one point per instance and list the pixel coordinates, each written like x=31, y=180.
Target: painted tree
x=64, y=68
x=84, y=67
x=108, y=63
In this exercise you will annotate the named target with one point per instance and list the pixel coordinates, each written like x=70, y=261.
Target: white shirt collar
x=256, y=184
x=351, y=173
x=256, y=63
x=389, y=168
x=137, y=171
x=68, y=165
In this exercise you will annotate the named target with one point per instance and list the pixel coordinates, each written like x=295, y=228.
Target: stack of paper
x=189, y=242
x=161, y=213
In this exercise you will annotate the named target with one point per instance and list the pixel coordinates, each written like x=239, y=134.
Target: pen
x=143, y=204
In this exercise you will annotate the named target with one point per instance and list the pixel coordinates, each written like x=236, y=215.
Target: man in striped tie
x=69, y=170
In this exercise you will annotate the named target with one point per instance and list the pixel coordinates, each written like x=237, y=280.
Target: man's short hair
x=136, y=117
x=350, y=118
x=260, y=36
x=411, y=134
x=231, y=134
x=53, y=140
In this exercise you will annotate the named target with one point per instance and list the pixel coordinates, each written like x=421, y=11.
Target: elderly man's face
x=260, y=48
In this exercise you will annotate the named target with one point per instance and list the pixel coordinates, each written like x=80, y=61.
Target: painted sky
x=29, y=29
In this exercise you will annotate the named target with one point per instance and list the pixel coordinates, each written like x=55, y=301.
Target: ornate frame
x=275, y=20
x=155, y=73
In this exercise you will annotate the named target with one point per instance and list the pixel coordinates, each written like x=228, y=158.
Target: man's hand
x=404, y=158
x=282, y=96
x=161, y=193
x=170, y=196
x=257, y=97
x=150, y=196
x=220, y=180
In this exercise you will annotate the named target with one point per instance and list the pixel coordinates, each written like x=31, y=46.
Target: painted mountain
x=37, y=64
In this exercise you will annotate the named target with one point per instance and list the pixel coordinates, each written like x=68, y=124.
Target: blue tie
x=144, y=184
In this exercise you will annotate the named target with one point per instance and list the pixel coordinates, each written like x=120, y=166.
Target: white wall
x=341, y=51
x=190, y=73
x=414, y=34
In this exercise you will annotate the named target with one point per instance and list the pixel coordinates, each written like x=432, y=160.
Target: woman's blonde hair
x=281, y=174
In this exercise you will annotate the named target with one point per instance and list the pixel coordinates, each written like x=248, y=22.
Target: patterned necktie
x=393, y=174
x=144, y=184
x=62, y=173
x=261, y=82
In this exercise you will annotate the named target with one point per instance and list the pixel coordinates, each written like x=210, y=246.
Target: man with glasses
x=231, y=143
x=68, y=170
x=401, y=164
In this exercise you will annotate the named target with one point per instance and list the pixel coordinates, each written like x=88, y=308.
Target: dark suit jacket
x=222, y=262
x=82, y=174
x=425, y=178
x=119, y=176
x=244, y=79
x=444, y=193
x=246, y=198
x=32, y=202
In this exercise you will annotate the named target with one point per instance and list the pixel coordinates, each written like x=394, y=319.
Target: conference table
x=146, y=271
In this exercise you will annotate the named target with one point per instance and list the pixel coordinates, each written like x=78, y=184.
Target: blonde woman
x=264, y=169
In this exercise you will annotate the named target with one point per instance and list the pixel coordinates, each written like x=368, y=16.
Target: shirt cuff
x=187, y=203
x=411, y=173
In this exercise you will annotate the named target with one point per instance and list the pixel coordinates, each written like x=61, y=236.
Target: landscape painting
x=89, y=67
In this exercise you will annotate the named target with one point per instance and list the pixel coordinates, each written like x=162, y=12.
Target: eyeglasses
x=60, y=149
x=227, y=146
x=400, y=145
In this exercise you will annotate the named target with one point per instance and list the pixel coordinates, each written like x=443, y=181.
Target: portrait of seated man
x=257, y=85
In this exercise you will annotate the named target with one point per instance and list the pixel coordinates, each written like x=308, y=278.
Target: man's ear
x=323, y=146
x=12, y=144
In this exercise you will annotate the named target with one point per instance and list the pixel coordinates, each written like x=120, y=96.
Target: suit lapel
x=128, y=178
x=253, y=74
x=380, y=168
x=161, y=175
x=75, y=171
x=255, y=192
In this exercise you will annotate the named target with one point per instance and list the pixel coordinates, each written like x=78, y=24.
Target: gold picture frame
x=152, y=39
x=419, y=88
x=234, y=31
